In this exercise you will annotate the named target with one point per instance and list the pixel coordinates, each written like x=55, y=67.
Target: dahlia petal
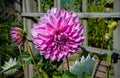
x=47, y=56
x=43, y=46
x=65, y=14
x=49, y=42
x=53, y=19
x=67, y=20
x=75, y=34
x=38, y=41
x=49, y=26
x=60, y=22
x=17, y=35
x=44, y=37
x=65, y=28
x=37, y=31
x=53, y=57
x=69, y=29
x=60, y=56
x=72, y=13
x=79, y=41
x=58, y=14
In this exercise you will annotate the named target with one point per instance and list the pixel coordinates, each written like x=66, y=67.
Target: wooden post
x=18, y=9
x=39, y=6
x=84, y=9
x=116, y=40
x=29, y=6
x=57, y=4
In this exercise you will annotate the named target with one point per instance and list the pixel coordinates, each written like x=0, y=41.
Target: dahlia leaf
x=67, y=74
x=28, y=60
x=84, y=66
x=86, y=75
x=24, y=55
x=56, y=76
x=44, y=74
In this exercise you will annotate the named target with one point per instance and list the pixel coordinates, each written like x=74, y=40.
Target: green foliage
x=44, y=74
x=86, y=75
x=72, y=5
x=7, y=20
x=56, y=76
x=67, y=74
x=97, y=27
x=47, y=4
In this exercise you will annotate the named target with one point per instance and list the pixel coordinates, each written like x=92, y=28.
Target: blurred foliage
x=72, y=5
x=97, y=27
x=47, y=4
x=7, y=20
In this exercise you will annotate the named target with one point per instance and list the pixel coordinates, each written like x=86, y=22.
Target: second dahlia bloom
x=18, y=36
x=58, y=34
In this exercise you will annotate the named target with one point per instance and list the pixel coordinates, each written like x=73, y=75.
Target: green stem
x=4, y=76
x=108, y=66
x=31, y=54
x=108, y=58
x=68, y=63
x=22, y=63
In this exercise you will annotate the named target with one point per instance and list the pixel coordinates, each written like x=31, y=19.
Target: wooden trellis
x=30, y=10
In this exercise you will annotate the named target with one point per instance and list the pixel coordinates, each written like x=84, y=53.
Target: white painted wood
x=84, y=9
x=82, y=15
x=57, y=4
x=39, y=6
x=116, y=40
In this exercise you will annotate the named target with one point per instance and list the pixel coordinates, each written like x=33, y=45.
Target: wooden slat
x=82, y=15
x=101, y=70
x=57, y=3
x=39, y=5
x=116, y=40
x=18, y=10
x=98, y=50
x=84, y=9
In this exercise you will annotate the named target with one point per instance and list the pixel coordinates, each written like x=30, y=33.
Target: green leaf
x=40, y=64
x=12, y=45
x=67, y=74
x=53, y=67
x=24, y=55
x=44, y=74
x=86, y=75
x=56, y=76
x=28, y=60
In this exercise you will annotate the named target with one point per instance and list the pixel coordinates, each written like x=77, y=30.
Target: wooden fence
x=30, y=11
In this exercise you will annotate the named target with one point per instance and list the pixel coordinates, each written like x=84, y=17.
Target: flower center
x=60, y=39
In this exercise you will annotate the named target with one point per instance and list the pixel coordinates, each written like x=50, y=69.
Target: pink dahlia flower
x=58, y=34
x=18, y=36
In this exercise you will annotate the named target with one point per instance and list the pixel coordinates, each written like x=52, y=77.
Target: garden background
x=102, y=38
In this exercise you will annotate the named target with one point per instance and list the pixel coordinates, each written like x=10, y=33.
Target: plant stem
x=108, y=66
x=22, y=63
x=67, y=63
x=31, y=54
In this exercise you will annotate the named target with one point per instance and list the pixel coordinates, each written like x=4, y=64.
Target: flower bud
x=112, y=25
